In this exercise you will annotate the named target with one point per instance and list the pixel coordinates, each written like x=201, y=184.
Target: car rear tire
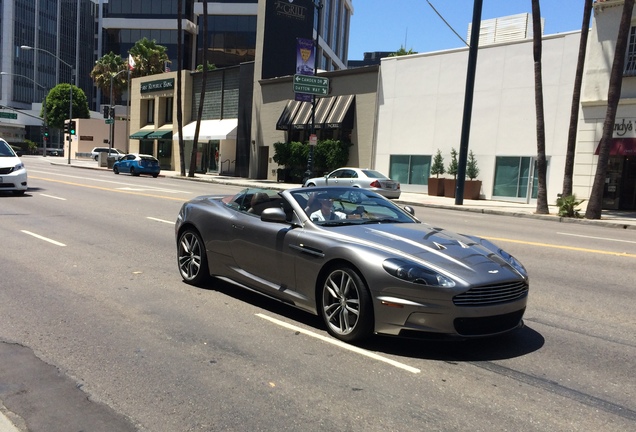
x=346, y=306
x=116, y=170
x=155, y=175
x=191, y=258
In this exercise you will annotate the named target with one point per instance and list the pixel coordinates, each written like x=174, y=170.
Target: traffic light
x=72, y=127
x=66, y=128
x=45, y=134
x=106, y=111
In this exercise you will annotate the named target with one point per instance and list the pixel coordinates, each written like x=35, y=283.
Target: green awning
x=142, y=134
x=160, y=134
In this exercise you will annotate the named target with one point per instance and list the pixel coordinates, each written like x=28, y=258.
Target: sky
x=387, y=25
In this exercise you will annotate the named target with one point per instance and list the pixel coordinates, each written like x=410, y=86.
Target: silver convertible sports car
x=356, y=259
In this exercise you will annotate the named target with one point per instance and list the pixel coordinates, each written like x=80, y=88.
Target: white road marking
x=160, y=220
x=125, y=185
x=342, y=344
x=43, y=238
x=54, y=197
x=597, y=238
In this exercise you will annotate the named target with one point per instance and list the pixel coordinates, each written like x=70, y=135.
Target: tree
x=106, y=67
x=542, y=196
x=204, y=80
x=57, y=105
x=453, y=166
x=402, y=51
x=150, y=58
x=179, y=86
x=438, y=165
x=576, y=100
x=472, y=171
x=595, y=203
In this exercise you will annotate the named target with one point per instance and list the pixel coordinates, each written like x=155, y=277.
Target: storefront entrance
x=620, y=184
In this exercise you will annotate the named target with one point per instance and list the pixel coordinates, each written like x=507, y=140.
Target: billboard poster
x=305, y=56
x=285, y=22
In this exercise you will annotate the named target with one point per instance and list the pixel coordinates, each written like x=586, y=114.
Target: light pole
x=111, y=111
x=44, y=123
x=310, y=158
x=70, y=105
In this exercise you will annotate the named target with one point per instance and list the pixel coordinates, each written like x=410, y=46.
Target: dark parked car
x=354, y=258
x=136, y=164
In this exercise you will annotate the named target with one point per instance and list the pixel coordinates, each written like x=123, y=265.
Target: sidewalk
x=609, y=218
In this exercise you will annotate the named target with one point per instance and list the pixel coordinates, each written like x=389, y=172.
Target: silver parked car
x=354, y=258
x=360, y=178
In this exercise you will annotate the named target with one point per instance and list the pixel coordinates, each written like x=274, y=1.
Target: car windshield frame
x=349, y=206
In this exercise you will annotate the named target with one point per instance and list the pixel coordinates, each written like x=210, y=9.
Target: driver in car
x=326, y=211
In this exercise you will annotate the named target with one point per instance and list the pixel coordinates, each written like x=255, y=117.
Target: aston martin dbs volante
x=356, y=259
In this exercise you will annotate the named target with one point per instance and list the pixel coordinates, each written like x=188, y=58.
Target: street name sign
x=311, y=84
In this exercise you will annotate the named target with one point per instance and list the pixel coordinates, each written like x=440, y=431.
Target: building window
x=630, y=57
x=410, y=169
x=169, y=107
x=150, y=113
x=516, y=177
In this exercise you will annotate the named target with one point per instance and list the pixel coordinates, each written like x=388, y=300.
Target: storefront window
x=410, y=169
x=146, y=147
x=164, y=153
x=513, y=179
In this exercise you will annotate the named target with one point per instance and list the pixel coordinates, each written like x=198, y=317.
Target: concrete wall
x=421, y=99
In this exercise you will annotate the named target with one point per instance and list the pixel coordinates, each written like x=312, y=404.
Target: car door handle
x=238, y=227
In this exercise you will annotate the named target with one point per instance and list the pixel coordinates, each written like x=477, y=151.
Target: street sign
x=310, y=84
x=7, y=115
x=110, y=121
x=313, y=139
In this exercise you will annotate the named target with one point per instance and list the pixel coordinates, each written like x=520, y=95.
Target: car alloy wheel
x=346, y=305
x=191, y=258
x=116, y=170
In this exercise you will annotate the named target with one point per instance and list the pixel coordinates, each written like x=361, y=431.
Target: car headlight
x=416, y=273
x=514, y=263
x=18, y=167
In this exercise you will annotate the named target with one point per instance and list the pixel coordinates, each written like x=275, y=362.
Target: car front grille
x=6, y=170
x=492, y=294
x=483, y=326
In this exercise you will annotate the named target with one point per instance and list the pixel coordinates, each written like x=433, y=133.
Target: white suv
x=116, y=153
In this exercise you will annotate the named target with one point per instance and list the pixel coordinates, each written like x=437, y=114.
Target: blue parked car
x=136, y=164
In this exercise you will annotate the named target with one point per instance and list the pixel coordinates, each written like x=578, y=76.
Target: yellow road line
x=547, y=245
x=109, y=189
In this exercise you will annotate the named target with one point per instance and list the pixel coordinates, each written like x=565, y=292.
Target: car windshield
x=347, y=206
x=6, y=150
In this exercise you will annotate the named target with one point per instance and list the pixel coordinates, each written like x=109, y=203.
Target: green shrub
x=471, y=166
x=567, y=206
x=328, y=155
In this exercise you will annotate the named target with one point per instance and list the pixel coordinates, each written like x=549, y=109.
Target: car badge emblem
x=493, y=271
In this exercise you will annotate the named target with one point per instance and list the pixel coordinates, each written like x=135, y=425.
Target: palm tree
x=179, y=85
x=576, y=99
x=107, y=66
x=542, y=197
x=204, y=79
x=150, y=58
x=595, y=204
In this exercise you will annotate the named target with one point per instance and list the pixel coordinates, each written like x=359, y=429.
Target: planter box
x=472, y=189
x=436, y=186
x=449, y=188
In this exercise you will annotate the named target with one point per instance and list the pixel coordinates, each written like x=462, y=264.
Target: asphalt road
x=98, y=332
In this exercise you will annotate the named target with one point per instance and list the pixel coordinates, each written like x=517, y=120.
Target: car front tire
x=191, y=258
x=346, y=306
x=116, y=170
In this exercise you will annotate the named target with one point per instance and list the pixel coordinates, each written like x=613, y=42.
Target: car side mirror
x=274, y=214
x=410, y=210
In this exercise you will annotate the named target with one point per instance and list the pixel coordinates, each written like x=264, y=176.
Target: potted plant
x=436, y=184
x=449, y=184
x=472, y=187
